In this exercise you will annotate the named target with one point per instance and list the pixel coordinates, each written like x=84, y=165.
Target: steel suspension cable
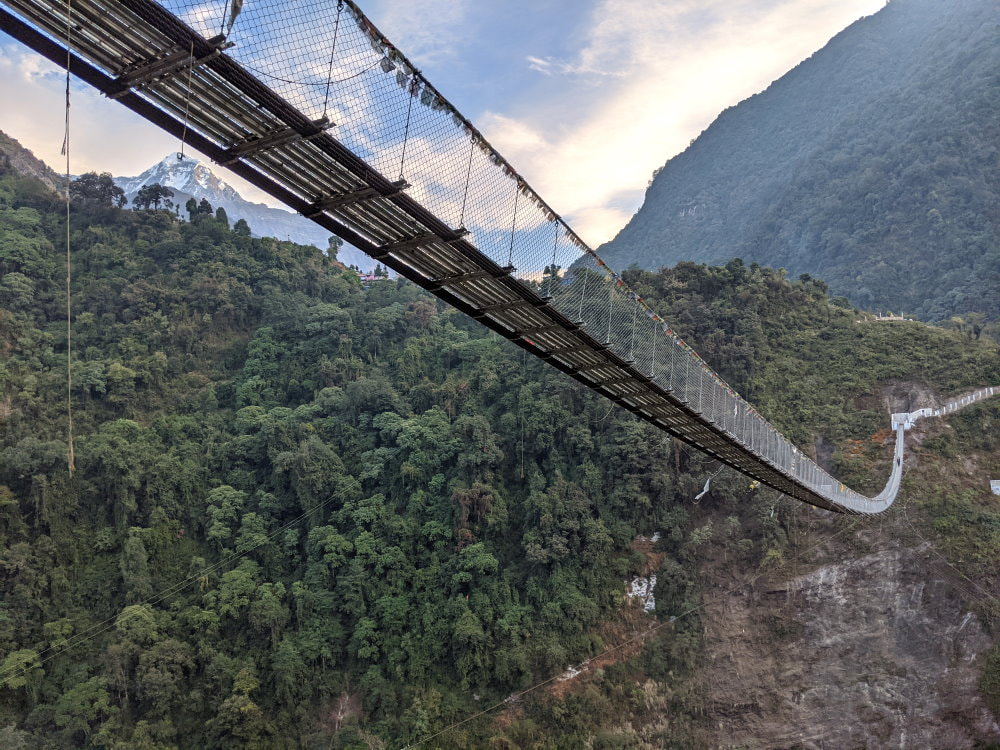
x=333, y=51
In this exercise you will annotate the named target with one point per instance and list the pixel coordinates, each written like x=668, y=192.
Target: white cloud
x=664, y=69
x=593, y=222
x=423, y=30
x=104, y=135
x=648, y=77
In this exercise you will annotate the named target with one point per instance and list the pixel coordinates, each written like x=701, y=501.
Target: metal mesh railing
x=330, y=62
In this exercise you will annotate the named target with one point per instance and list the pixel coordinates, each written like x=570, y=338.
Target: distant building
x=377, y=274
x=890, y=316
x=995, y=486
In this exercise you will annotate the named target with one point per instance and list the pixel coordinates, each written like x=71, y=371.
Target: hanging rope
x=513, y=224
x=225, y=12
x=414, y=85
x=611, y=304
x=333, y=50
x=652, y=366
x=187, y=106
x=520, y=405
x=70, y=458
x=631, y=346
x=468, y=178
x=583, y=296
x=552, y=266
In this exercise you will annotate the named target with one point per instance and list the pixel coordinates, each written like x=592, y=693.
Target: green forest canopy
x=370, y=495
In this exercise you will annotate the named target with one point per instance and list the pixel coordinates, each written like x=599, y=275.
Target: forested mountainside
x=306, y=513
x=873, y=165
x=16, y=157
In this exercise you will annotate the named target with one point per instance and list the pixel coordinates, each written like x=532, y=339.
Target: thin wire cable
x=631, y=346
x=317, y=84
x=187, y=105
x=583, y=296
x=552, y=266
x=611, y=305
x=513, y=224
x=639, y=636
x=333, y=51
x=932, y=548
x=70, y=457
x=608, y=414
x=222, y=23
x=652, y=366
x=468, y=178
x=406, y=132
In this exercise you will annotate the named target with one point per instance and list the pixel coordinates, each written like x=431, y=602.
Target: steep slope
x=873, y=165
x=16, y=157
x=191, y=178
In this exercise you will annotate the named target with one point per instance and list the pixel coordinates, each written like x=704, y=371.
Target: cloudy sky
x=585, y=97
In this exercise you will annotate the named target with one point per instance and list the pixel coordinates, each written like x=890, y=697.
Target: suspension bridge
x=309, y=102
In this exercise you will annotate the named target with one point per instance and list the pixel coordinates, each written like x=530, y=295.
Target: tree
x=225, y=504
x=236, y=590
x=83, y=706
x=267, y=611
x=241, y=228
x=162, y=672
x=135, y=568
x=137, y=624
x=290, y=672
x=151, y=196
x=97, y=190
x=333, y=246
x=17, y=292
x=240, y=723
x=221, y=216
x=22, y=670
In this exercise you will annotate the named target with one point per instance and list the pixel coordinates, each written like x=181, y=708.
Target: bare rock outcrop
x=878, y=651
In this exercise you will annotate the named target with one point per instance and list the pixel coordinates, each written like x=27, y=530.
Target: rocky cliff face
x=22, y=161
x=880, y=650
x=866, y=636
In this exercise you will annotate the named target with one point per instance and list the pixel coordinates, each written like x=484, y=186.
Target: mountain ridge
x=24, y=162
x=835, y=167
x=193, y=178
x=188, y=178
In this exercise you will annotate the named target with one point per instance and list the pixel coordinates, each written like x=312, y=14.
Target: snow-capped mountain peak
x=191, y=176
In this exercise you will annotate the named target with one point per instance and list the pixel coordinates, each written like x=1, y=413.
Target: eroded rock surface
x=878, y=651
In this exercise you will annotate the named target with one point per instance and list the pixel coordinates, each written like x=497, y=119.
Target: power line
x=106, y=624
x=633, y=639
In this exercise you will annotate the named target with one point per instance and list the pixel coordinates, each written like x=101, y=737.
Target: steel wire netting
x=329, y=61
